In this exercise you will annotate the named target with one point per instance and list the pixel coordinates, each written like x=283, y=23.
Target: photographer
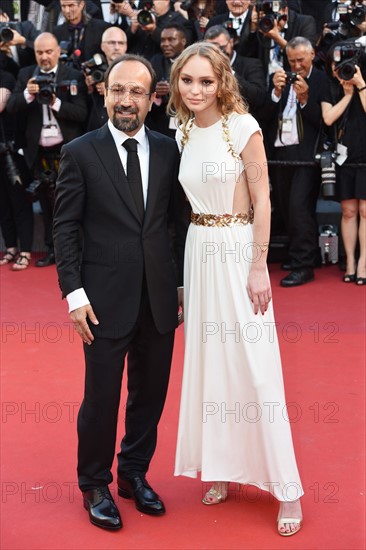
x=16, y=44
x=113, y=45
x=51, y=115
x=295, y=114
x=16, y=216
x=146, y=27
x=199, y=12
x=82, y=32
x=344, y=106
x=275, y=28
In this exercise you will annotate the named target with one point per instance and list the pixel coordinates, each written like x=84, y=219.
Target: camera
x=328, y=243
x=145, y=16
x=47, y=88
x=328, y=174
x=6, y=151
x=271, y=14
x=350, y=13
x=95, y=67
x=46, y=181
x=346, y=57
x=290, y=77
x=6, y=33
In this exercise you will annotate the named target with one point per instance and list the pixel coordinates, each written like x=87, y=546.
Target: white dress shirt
x=78, y=297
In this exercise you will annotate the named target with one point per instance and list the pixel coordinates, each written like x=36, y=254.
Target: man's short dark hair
x=133, y=57
x=177, y=27
x=215, y=31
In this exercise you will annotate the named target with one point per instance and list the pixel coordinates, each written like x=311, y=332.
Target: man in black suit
x=238, y=20
x=122, y=292
x=295, y=115
x=44, y=127
x=83, y=32
x=248, y=72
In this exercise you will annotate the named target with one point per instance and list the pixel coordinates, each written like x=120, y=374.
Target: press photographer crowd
x=301, y=68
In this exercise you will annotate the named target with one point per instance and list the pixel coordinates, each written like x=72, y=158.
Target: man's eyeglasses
x=119, y=92
x=114, y=42
x=222, y=46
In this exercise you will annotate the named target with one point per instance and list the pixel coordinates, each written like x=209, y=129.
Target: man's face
x=300, y=60
x=238, y=7
x=72, y=10
x=127, y=98
x=47, y=53
x=226, y=45
x=172, y=43
x=114, y=44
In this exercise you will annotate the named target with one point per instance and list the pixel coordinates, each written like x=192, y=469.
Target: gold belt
x=222, y=220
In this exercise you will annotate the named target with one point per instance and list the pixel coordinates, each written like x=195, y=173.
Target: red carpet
x=322, y=336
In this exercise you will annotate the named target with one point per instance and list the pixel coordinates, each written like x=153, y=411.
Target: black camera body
x=46, y=181
x=145, y=16
x=95, y=67
x=6, y=32
x=271, y=10
x=291, y=77
x=47, y=88
x=346, y=57
x=350, y=14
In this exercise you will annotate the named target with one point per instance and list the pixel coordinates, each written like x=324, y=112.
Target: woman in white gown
x=233, y=425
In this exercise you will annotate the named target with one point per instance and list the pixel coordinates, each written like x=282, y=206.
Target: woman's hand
x=259, y=289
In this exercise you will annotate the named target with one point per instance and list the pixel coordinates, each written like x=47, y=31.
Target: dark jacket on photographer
x=86, y=39
x=70, y=117
x=22, y=56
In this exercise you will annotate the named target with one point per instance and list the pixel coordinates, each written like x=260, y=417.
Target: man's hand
x=78, y=317
x=162, y=88
x=32, y=87
x=279, y=82
x=301, y=89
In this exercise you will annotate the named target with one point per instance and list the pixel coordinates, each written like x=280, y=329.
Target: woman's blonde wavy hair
x=228, y=95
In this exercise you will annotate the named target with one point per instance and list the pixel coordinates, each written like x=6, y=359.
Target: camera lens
x=266, y=24
x=346, y=71
x=144, y=17
x=6, y=34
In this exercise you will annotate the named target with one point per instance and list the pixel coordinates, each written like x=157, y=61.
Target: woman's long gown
x=233, y=424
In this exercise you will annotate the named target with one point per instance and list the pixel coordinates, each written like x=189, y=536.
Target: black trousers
x=295, y=192
x=148, y=370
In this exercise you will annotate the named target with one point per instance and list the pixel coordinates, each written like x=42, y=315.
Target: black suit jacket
x=250, y=76
x=90, y=43
x=247, y=44
x=92, y=193
x=311, y=118
x=71, y=116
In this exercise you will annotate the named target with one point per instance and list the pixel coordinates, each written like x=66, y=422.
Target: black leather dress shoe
x=298, y=277
x=49, y=259
x=101, y=507
x=147, y=501
x=286, y=266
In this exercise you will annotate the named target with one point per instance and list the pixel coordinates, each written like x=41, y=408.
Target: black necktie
x=134, y=175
